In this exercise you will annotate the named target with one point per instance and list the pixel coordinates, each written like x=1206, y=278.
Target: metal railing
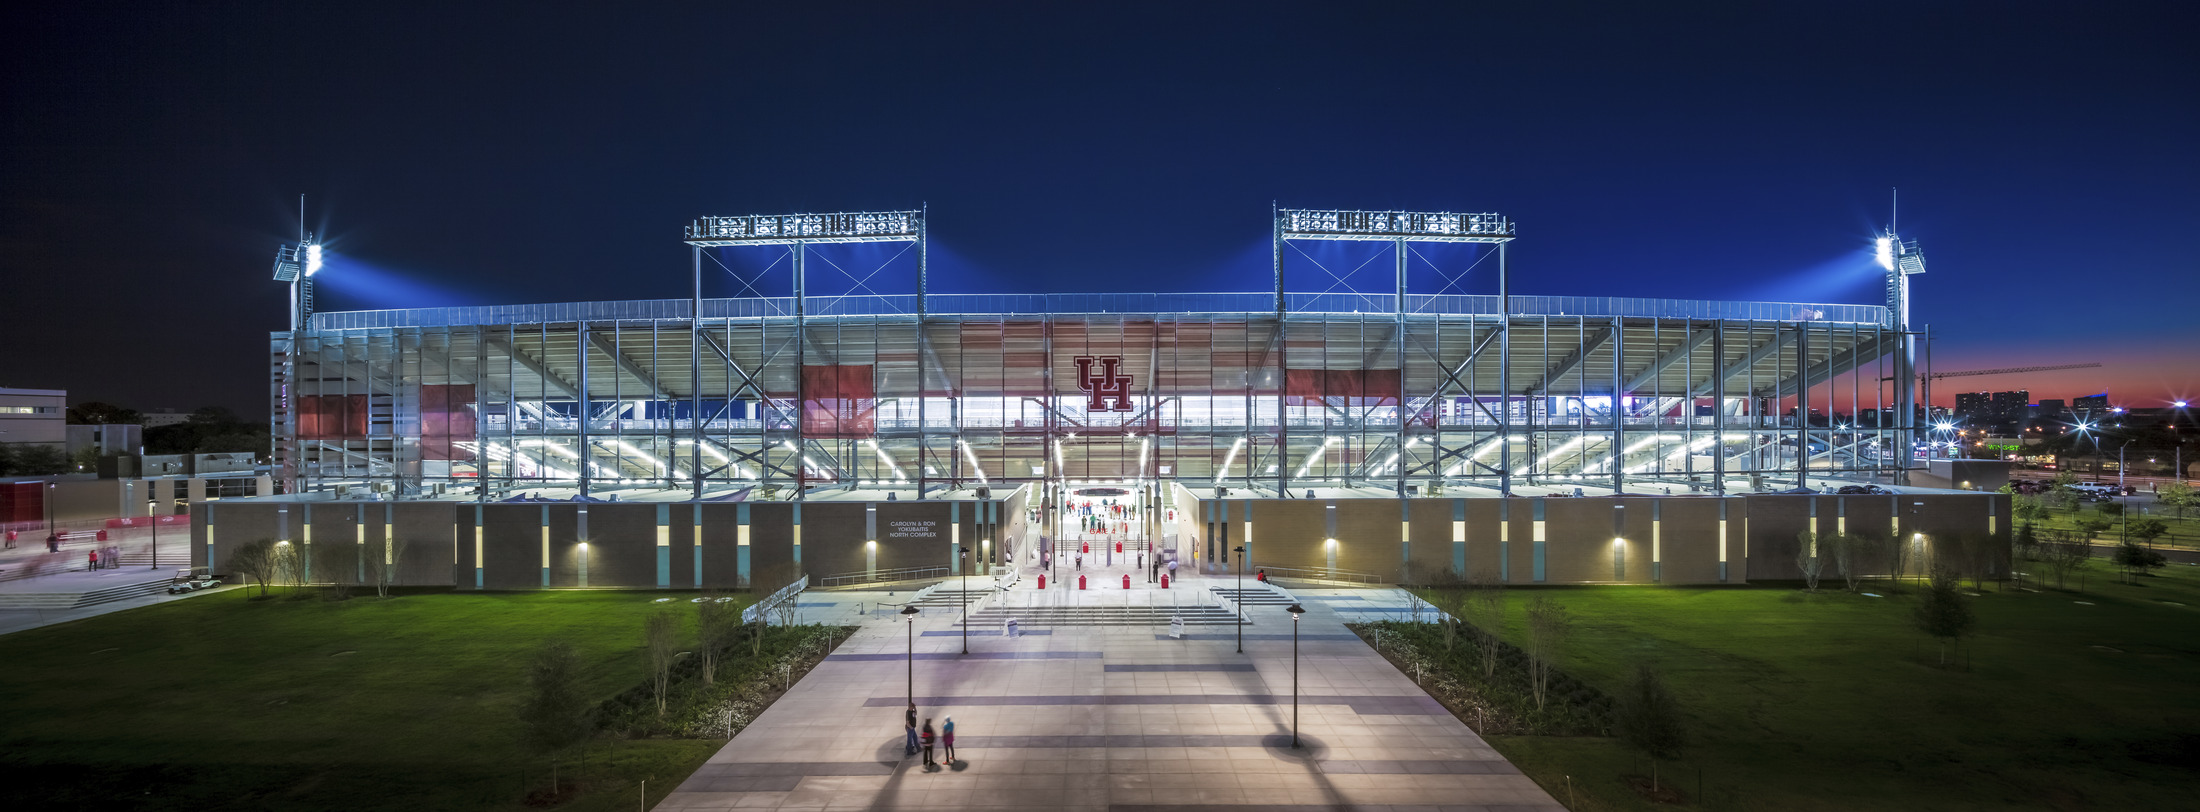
x=1078, y=303
x=785, y=593
x=881, y=576
x=1319, y=574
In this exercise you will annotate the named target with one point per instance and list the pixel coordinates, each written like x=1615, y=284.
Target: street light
x=909, y=613
x=151, y=506
x=1296, y=611
x=1240, y=550
x=962, y=584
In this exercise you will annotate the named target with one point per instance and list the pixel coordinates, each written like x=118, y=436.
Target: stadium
x=1341, y=435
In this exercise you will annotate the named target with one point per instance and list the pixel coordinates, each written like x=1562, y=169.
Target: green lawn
x=220, y=702
x=1831, y=701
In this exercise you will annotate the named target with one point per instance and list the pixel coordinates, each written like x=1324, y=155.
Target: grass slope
x=1831, y=701
x=219, y=702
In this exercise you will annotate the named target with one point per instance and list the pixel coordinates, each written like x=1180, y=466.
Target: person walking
x=947, y=741
x=1172, y=569
x=928, y=736
x=909, y=725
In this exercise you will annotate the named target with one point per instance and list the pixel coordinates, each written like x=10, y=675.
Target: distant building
x=164, y=417
x=1992, y=408
x=34, y=417
x=2091, y=403
x=109, y=438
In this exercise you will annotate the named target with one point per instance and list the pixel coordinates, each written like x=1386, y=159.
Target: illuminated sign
x=1414, y=226
x=787, y=229
x=1101, y=376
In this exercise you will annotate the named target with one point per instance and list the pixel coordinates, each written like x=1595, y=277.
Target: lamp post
x=1240, y=602
x=152, y=507
x=962, y=584
x=909, y=614
x=1296, y=612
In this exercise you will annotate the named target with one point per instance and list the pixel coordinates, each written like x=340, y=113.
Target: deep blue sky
x=1725, y=150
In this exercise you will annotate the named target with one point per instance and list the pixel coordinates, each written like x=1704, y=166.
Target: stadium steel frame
x=712, y=396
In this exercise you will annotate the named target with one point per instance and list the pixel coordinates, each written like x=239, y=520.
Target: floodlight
x=1944, y=426
x=2179, y=404
x=313, y=258
x=1883, y=251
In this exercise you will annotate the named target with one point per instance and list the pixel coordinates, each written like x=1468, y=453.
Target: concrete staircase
x=78, y=600
x=946, y=597
x=1039, y=617
x=1254, y=595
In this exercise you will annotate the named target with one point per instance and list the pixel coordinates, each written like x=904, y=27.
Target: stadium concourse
x=1394, y=434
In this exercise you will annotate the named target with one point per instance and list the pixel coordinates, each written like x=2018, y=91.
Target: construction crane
x=2002, y=371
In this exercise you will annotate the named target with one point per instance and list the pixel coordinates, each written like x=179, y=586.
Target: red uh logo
x=1109, y=387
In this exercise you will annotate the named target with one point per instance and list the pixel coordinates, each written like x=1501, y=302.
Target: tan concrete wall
x=1430, y=537
x=1482, y=530
x=1289, y=532
x=1689, y=540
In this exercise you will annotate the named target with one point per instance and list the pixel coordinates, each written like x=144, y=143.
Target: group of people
x=104, y=558
x=923, y=739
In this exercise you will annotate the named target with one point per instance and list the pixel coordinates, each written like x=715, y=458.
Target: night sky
x=154, y=157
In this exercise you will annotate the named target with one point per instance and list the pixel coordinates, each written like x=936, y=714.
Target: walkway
x=1116, y=718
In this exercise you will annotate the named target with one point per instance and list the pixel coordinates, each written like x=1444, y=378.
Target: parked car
x=192, y=580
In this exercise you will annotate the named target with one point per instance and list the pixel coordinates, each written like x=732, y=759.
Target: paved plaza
x=1124, y=718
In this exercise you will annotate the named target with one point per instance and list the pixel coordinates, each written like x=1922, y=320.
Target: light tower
x=295, y=264
x=1901, y=260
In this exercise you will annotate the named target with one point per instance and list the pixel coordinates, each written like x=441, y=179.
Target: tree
x=1548, y=624
x=2178, y=496
x=291, y=565
x=2028, y=542
x=256, y=561
x=85, y=459
x=1650, y=720
x=1809, y=559
x=1899, y=551
x=1942, y=612
x=1845, y=551
x=2136, y=560
x=2060, y=495
x=717, y=623
x=2027, y=507
x=2091, y=526
x=93, y=413
x=556, y=714
x=39, y=460
x=1486, y=606
x=2065, y=557
x=1451, y=598
x=660, y=641
x=382, y=563
x=2145, y=529
x=338, y=564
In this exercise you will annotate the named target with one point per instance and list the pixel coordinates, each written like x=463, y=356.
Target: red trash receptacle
x=1126, y=581
x=1042, y=580
x=102, y=535
x=1080, y=582
x=1164, y=582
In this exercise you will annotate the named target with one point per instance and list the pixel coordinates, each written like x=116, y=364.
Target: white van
x=2097, y=490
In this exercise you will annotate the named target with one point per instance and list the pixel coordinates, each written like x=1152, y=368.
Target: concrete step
x=73, y=600
x=1102, y=616
x=1251, y=596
